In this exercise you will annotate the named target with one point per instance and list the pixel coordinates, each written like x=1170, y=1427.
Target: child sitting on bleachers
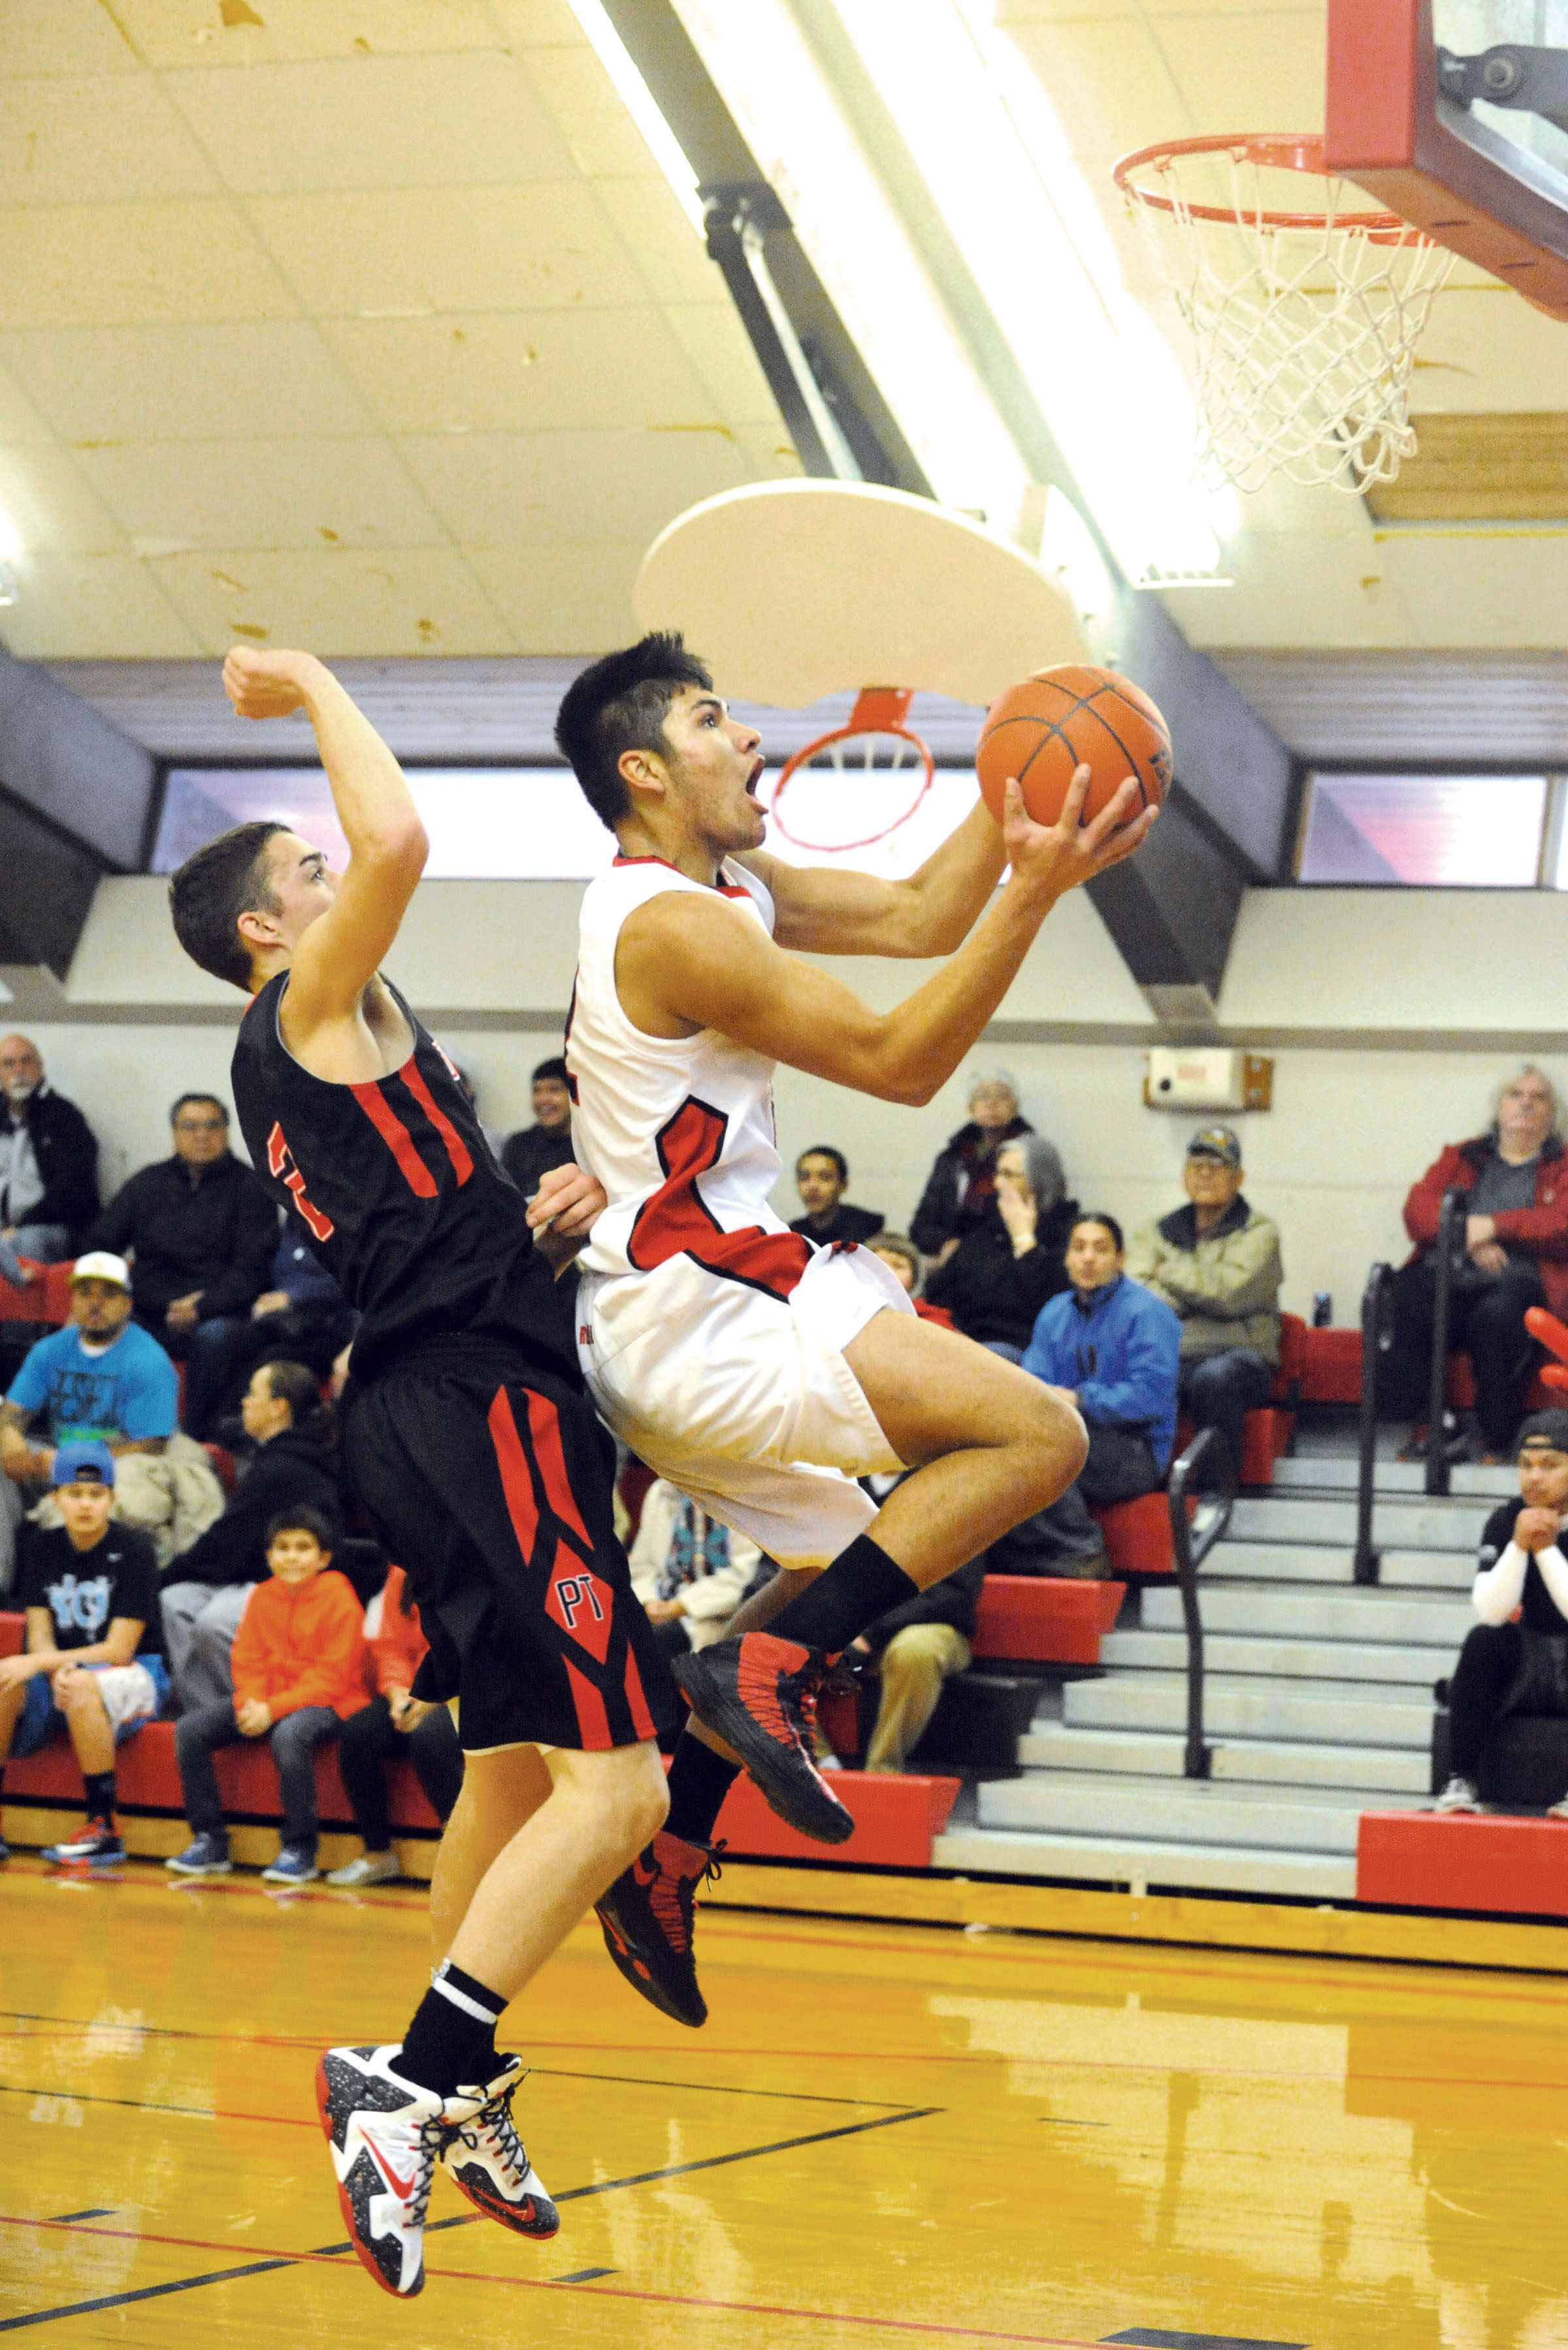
x=299, y=1669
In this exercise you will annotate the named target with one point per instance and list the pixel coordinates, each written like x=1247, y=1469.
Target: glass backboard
x=1502, y=85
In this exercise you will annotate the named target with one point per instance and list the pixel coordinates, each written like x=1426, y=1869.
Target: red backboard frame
x=1381, y=130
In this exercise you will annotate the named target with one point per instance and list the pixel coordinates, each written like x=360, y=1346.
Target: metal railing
x=1208, y=1445
x=1377, y=1337
x=1450, y=1251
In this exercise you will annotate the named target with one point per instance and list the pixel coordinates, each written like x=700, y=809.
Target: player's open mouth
x=755, y=777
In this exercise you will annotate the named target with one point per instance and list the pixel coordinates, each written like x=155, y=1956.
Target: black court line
x=467, y=2220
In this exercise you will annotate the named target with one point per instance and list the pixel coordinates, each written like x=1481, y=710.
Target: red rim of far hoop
x=850, y=734
x=1285, y=150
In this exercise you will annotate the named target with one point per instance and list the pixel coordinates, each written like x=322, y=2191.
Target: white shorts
x=744, y=1399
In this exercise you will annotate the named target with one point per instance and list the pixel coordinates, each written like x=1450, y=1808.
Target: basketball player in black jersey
x=470, y=1442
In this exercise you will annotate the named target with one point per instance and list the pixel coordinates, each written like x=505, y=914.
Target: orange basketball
x=1069, y=717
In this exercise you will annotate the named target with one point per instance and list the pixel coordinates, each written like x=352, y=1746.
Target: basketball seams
x=1055, y=705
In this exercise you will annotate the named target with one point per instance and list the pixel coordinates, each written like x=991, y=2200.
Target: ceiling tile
x=492, y=489
x=588, y=112
x=19, y=420
x=1296, y=589
x=537, y=23
x=670, y=253
x=1109, y=85
x=1465, y=590
x=1011, y=14
x=1247, y=71
x=175, y=383
x=171, y=32
x=370, y=122
x=396, y=601
x=95, y=142
x=1486, y=348
x=84, y=607
x=711, y=336
x=401, y=253
x=62, y=36
x=55, y=511
x=103, y=264
x=565, y=600
x=520, y=373
x=770, y=454
x=262, y=494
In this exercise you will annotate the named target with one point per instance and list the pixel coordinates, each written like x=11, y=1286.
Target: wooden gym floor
x=886, y=2134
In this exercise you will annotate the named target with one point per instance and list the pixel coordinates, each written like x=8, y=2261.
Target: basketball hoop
x=874, y=760
x=1306, y=316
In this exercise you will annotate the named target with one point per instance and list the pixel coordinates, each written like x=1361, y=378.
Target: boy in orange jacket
x=299, y=1669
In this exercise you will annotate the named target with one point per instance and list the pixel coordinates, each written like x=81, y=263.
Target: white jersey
x=679, y=1130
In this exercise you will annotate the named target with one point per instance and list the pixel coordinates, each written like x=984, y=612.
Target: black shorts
x=492, y=1491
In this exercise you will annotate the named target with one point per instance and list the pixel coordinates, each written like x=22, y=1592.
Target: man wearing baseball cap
x=101, y=1377
x=1515, y=1660
x=93, y=1664
x=1216, y=1262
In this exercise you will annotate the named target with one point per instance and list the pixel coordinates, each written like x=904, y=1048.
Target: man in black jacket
x=48, y=1162
x=203, y=1593
x=203, y=1233
x=822, y=1177
x=535, y=1150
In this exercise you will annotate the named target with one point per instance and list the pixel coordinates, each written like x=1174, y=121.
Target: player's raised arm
x=340, y=955
x=685, y=963
x=833, y=910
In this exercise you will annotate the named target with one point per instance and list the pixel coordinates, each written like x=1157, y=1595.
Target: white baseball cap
x=100, y=1265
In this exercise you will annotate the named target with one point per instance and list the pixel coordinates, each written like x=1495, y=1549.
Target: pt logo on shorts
x=580, y=1602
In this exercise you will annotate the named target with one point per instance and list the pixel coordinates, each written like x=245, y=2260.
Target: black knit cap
x=1544, y=1431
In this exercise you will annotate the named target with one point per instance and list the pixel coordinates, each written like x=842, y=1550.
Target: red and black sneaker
x=759, y=1695
x=647, y=1920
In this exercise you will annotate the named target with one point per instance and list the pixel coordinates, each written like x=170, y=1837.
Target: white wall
x=1392, y=1017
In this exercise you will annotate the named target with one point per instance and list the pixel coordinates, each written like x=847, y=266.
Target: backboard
x=791, y=590
x=1454, y=113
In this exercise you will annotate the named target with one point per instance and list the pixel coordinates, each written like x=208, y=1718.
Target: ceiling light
x=637, y=100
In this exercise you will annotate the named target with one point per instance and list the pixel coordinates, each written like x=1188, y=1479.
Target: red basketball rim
x=1284, y=150
x=851, y=733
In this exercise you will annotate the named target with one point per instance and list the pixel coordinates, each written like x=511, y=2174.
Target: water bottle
x=1321, y=1309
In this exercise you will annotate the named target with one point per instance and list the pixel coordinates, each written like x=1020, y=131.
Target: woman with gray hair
x=1008, y=1263
x=961, y=1185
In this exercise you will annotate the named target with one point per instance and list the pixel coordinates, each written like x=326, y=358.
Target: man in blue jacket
x=1116, y=1349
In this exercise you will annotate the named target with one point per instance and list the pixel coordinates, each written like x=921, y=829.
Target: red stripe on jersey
x=677, y=1220
x=457, y=1151
x=397, y=1138
x=546, y=1429
x=515, y=1481
x=593, y=1721
x=641, y=1720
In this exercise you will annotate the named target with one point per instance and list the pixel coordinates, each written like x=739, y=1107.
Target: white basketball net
x=1305, y=336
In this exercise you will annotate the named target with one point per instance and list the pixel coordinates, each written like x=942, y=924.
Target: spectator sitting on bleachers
x=914, y=1648
x=962, y=1181
x=394, y=1722
x=902, y=1259
x=48, y=1163
x=999, y=1275
x=534, y=1149
x=299, y=1670
x=1515, y=1660
x=822, y=1177
x=1117, y=1349
x=300, y=1319
x=203, y=1593
x=204, y=1234
x=1217, y=1262
x=1515, y=1177
x=689, y=1572
x=92, y=1665
x=99, y=1376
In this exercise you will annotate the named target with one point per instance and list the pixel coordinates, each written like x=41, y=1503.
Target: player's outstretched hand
x=265, y=684
x=1058, y=857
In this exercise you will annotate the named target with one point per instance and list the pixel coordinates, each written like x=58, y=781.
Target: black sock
x=99, y=1786
x=698, y=1782
x=451, y=2043
x=862, y=1584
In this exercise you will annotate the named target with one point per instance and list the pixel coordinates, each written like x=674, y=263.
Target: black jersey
x=402, y=1198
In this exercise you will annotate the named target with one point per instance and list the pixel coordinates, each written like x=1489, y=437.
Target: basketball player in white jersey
x=758, y=1374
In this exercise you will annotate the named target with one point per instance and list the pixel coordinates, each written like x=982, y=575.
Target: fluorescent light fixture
x=637, y=100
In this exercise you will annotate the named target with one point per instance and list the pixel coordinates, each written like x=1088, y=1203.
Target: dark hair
x=213, y=888
x=618, y=704
x=294, y=1383
x=304, y=1518
x=222, y=1107
x=1095, y=1216
x=554, y=1067
x=827, y=1150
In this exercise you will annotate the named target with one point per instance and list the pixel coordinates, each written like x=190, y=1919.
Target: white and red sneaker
x=386, y=2136
x=488, y=2162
